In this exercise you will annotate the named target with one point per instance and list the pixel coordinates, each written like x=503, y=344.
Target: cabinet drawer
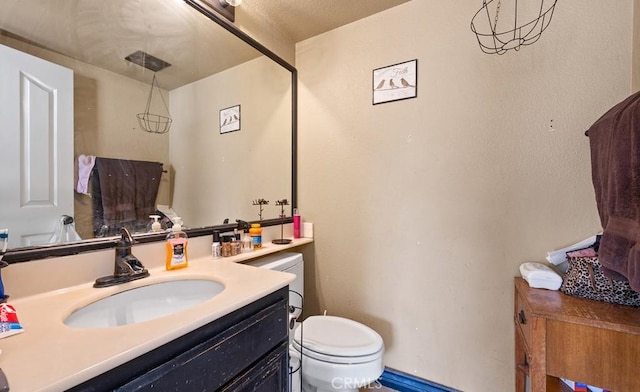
x=521, y=319
x=269, y=375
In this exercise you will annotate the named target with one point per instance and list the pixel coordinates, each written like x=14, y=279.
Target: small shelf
x=267, y=249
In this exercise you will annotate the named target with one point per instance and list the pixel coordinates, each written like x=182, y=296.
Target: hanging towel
x=615, y=165
x=114, y=191
x=85, y=166
x=147, y=184
x=124, y=192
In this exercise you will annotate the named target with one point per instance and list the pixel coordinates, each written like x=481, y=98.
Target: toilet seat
x=337, y=340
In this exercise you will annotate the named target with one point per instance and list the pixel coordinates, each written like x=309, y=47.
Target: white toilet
x=337, y=354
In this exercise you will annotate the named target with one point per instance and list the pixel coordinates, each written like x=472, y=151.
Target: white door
x=36, y=146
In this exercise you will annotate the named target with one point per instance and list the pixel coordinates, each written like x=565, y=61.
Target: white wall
x=424, y=208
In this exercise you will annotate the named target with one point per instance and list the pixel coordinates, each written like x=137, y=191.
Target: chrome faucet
x=126, y=266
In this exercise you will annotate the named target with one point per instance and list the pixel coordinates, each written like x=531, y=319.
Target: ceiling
x=302, y=19
x=103, y=33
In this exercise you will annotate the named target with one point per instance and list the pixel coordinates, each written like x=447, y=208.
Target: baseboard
x=404, y=382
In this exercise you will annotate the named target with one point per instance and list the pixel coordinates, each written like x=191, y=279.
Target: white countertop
x=50, y=356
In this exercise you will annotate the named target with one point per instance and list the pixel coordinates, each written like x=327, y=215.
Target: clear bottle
x=237, y=242
x=247, y=243
x=177, y=242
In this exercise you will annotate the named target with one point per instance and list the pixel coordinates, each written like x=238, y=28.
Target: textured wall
x=216, y=176
x=425, y=208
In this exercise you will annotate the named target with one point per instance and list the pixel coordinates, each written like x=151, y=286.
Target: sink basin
x=144, y=303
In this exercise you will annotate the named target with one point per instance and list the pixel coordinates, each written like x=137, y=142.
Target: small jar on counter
x=226, y=246
x=256, y=235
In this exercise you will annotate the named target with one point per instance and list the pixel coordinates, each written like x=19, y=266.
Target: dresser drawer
x=521, y=318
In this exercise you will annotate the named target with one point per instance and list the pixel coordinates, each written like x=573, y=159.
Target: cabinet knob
x=522, y=318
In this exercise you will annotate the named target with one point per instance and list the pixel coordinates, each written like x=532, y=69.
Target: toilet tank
x=287, y=262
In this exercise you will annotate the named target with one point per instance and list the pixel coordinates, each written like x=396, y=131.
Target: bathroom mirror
x=208, y=175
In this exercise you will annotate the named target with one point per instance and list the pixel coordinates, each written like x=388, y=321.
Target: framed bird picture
x=395, y=82
x=230, y=119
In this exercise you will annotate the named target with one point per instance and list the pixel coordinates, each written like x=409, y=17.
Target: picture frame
x=395, y=82
x=230, y=119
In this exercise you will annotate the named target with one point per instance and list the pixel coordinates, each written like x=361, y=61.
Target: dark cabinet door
x=269, y=375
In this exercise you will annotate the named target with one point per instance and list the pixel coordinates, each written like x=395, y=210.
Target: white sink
x=144, y=303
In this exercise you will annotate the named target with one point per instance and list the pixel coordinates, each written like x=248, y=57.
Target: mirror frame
x=58, y=250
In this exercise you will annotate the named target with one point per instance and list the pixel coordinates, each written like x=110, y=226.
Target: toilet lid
x=330, y=336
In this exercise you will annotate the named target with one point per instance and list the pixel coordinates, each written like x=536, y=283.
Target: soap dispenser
x=156, y=227
x=177, y=241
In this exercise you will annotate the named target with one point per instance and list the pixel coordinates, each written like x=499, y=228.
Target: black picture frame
x=230, y=119
x=395, y=82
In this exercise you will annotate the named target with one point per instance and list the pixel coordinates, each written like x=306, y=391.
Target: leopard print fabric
x=585, y=279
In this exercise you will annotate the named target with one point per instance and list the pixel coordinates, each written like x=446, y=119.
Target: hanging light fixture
x=152, y=122
x=497, y=35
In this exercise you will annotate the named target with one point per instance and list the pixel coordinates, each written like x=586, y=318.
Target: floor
x=376, y=388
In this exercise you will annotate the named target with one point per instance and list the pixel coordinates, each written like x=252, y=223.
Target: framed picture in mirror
x=230, y=119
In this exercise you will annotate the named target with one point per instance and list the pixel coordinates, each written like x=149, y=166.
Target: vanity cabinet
x=246, y=350
x=558, y=335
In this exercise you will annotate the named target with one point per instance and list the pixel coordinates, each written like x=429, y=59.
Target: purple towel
x=615, y=165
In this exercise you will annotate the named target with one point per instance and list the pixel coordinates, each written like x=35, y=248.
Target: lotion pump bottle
x=156, y=227
x=177, y=241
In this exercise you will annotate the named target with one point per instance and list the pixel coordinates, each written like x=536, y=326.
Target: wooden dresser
x=557, y=335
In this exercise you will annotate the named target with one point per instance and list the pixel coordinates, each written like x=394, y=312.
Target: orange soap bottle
x=177, y=242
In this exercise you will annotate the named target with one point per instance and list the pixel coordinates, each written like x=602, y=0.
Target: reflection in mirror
x=202, y=173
